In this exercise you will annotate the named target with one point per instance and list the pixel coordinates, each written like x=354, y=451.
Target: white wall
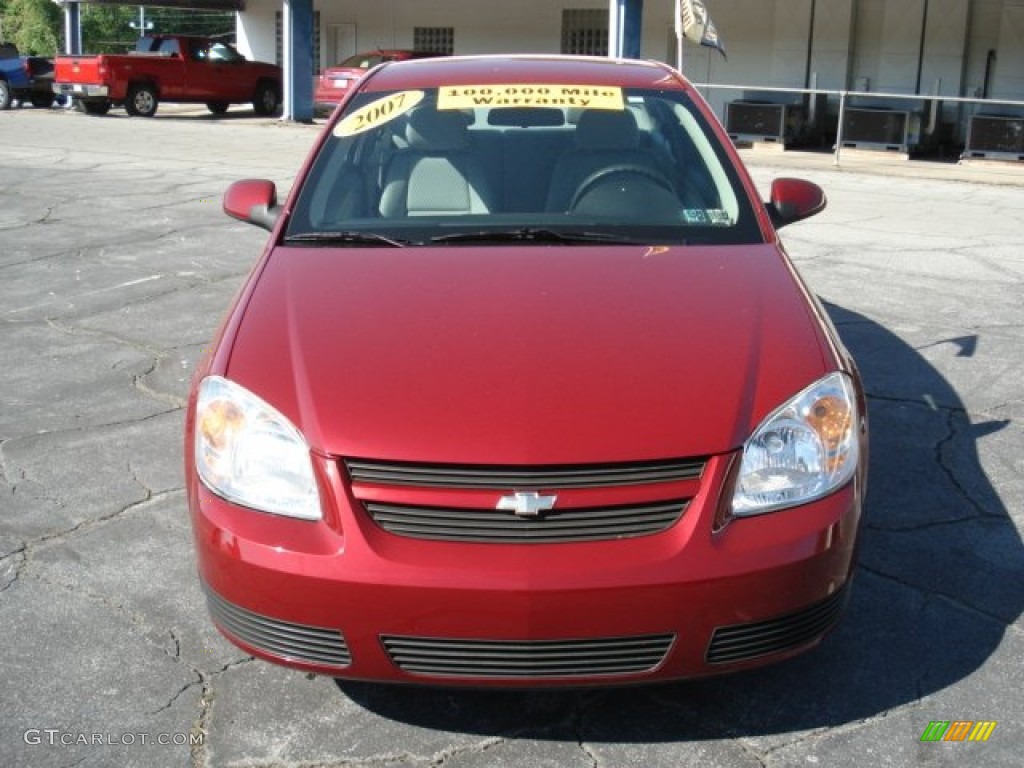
x=945, y=46
x=985, y=18
x=832, y=56
x=256, y=29
x=1008, y=82
x=527, y=26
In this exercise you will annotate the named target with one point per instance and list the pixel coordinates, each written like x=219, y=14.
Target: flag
x=694, y=23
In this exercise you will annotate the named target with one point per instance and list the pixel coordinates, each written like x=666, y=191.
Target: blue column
x=625, y=25
x=632, y=27
x=298, y=60
x=72, y=29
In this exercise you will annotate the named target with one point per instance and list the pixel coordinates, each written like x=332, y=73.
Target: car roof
x=514, y=69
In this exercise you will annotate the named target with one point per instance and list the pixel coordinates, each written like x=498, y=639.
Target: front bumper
x=345, y=598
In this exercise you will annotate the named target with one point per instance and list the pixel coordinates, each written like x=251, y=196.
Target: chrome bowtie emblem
x=526, y=504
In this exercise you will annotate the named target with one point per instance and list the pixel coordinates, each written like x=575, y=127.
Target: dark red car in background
x=334, y=82
x=524, y=390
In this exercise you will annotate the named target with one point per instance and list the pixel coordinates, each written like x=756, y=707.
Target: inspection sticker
x=378, y=113
x=530, y=95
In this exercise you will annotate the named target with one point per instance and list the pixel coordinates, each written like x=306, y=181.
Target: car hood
x=527, y=355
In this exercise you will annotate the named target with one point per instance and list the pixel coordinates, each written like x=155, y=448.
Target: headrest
x=607, y=129
x=436, y=130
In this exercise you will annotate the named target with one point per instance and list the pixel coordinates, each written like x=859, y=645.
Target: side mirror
x=253, y=201
x=794, y=200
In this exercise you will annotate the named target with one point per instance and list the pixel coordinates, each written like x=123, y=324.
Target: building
x=940, y=51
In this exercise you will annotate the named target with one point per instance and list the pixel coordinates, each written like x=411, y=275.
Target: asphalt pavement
x=117, y=264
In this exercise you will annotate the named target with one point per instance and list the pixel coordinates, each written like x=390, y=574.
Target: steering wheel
x=603, y=174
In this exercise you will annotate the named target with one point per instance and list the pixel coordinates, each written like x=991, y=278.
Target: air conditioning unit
x=885, y=129
x=998, y=137
x=762, y=121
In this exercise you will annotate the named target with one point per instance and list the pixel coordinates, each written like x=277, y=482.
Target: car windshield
x=522, y=164
x=224, y=52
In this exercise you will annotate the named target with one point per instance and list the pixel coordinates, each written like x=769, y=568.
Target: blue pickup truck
x=25, y=79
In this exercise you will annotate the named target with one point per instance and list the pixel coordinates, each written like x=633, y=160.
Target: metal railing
x=933, y=99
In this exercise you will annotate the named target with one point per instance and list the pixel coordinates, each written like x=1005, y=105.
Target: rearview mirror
x=794, y=200
x=253, y=201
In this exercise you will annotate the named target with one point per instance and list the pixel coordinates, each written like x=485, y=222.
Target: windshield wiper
x=537, y=235
x=347, y=237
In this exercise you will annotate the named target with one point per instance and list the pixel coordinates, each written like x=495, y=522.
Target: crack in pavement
x=941, y=453
x=79, y=253
x=818, y=734
x=138, y=381
x=180, y=692
x=89, y=524
x=122, y=304
x=84, y=428
x=928, y=594
x=178, y=282
x=11, y=568
x=71, y=330
x=576, y=720
x=201, y=725
x=749, y=750
x=943, y=460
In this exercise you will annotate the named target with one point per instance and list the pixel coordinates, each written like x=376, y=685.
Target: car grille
x=403, y=512
x=316, y=645
x=740, y=642
x=522, y=478
x=506, y=527
x=527, y=659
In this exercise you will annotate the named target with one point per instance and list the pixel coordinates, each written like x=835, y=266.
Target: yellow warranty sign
x=378, y=113
x=530, y=95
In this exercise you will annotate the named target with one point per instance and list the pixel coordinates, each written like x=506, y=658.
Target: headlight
x=249, y=453
x=804, y=450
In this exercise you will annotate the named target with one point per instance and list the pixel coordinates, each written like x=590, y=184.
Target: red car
x=333, y=83
x=524, y=390
x=172, y=68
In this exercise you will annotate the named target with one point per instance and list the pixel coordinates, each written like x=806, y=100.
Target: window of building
x=434, y=39
x=279, y=40
x=585, y=31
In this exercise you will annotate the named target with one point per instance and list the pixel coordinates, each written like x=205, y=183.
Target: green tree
x=105, y=28
x=32, y=25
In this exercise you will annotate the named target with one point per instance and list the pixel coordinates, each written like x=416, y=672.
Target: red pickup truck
x=174, y=68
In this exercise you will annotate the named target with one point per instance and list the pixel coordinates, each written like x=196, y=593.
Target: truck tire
x=142, y=100
x=5, y=95
x=266, y=101
x=218, y=107
x=98, y=107
x=43, y=101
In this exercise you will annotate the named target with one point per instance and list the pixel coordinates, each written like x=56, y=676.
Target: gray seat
x=437, y=174
x=603, y=139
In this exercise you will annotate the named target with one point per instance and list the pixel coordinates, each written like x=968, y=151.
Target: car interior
x=649, y=163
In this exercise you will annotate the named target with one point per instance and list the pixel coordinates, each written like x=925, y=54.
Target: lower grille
x=740, y=642
x=315, y=645
x=527, y=659
x=492, y=526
